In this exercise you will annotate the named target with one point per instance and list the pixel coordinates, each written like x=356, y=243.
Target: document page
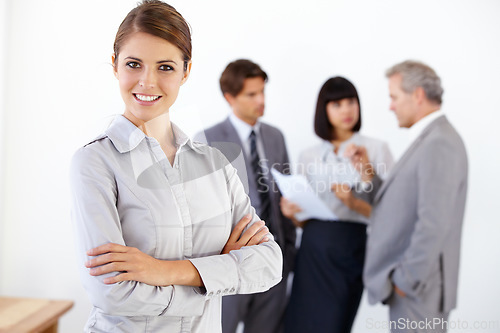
x=296, y=189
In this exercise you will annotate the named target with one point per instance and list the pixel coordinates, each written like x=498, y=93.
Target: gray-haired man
x=413, y=249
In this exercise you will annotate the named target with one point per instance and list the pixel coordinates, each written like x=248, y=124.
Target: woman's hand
x=289, y=209
x=359, y=159
x=254, y=235
x=344, y=193
x=133, y=264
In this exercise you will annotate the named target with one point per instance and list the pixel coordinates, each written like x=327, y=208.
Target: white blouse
x=323, y=167
x=125, y=191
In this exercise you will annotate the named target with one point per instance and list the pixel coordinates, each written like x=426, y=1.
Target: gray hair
x=415, y=74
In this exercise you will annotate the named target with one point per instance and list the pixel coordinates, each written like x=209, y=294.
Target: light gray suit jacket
x=224, y=137
x=417, y=218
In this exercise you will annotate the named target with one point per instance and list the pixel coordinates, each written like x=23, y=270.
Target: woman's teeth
x=145, y=98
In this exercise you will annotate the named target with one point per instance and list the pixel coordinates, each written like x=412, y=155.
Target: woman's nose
x=147, y=80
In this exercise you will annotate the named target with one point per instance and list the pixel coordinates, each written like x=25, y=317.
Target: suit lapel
x=230, y=133
x=406, y=156
x=267, y=144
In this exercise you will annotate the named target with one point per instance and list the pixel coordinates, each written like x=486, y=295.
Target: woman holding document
x=328, y=285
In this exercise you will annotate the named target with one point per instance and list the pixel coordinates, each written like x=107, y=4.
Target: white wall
x=59, y=93
x=3, y=50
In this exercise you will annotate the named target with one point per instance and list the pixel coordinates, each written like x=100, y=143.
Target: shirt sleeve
x=250, y=269
x=96, y=221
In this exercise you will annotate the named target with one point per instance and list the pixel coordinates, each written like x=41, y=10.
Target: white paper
x=296, y=189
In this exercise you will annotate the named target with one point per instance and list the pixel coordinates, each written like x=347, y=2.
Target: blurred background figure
x=413, y=246
x=262, y=146
x=327, y=285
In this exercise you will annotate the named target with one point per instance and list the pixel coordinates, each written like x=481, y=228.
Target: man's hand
x=359, y=159
x=254, y=235
x=398, y=291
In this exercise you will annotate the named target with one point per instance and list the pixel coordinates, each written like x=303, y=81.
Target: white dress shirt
x=323, y=167
x=416, y=129
x=125, y=191
x=243, y=130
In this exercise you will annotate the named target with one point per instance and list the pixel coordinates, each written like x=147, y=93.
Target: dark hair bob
x=334, y=89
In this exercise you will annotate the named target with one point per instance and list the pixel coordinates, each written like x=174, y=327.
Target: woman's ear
x=187, y=70
x=114, y=59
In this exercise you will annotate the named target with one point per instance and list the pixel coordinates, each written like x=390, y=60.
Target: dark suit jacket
x=224, y=137
x=417, y=215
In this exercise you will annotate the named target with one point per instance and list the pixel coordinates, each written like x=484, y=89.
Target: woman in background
x=327, y=285
x=156, y=214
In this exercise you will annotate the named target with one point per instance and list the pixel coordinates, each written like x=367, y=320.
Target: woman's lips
x=146, y=99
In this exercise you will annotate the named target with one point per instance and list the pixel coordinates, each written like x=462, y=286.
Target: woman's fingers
x=108, y=268
x=240, y=237
x=295, y=209
x=250, y=232
x=239, y=227
x=288, y=208
x=341, y=189
x=265, y=239
x=105, y=259
x=258, y=237
x=106, y=248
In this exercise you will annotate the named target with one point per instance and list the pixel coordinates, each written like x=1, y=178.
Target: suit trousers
x=422, y=313
x=327, y=284
x=260, y=313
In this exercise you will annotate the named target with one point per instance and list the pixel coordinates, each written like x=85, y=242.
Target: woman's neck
x=340, y=137
x=159, y=128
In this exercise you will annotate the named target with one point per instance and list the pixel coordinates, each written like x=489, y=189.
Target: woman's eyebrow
x=158, y=62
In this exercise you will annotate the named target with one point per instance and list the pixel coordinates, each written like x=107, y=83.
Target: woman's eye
x=166, y=68
x=133, y=64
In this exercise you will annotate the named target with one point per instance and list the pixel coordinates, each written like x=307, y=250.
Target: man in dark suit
x=413, y=249
x=254, y=147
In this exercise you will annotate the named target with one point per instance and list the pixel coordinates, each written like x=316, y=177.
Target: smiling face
x=343, y=114
x=150, y=71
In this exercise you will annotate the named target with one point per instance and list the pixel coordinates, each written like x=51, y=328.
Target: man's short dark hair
x=232, y=79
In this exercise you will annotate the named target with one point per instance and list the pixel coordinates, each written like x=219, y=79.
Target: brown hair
x=158, y=19
x=232, y=79
x=333, y=89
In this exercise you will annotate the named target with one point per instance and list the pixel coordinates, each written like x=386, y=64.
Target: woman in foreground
x=163, y=224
